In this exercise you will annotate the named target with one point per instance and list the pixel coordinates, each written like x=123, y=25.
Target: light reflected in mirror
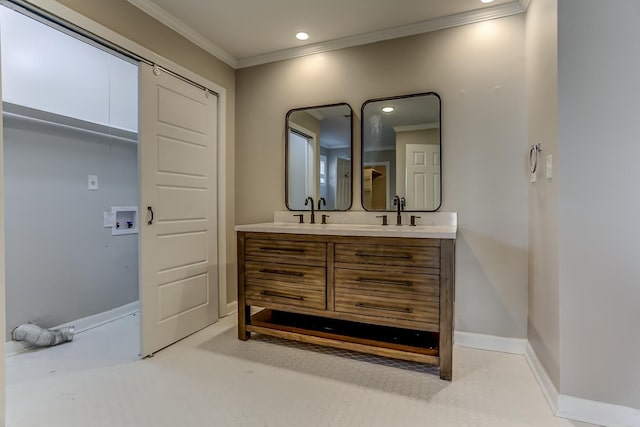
x=318, y=157
x=401, y=142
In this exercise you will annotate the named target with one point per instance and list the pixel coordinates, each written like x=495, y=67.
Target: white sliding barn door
x=178, y=250
x=423, y=176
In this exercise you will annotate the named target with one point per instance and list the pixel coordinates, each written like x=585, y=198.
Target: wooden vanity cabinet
x=387, y=296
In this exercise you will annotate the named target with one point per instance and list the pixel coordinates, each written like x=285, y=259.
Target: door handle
x=151, y=212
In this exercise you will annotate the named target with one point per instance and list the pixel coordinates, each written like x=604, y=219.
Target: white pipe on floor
x=35, y=335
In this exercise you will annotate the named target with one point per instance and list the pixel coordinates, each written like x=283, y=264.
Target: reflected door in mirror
x=301, y=165
x=318, y=152
x=402, y=134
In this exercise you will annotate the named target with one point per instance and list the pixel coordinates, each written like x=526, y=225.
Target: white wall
x=61, y=263
x=45, y=69
x=542, y=98
x=478, y=70
x=599, y=203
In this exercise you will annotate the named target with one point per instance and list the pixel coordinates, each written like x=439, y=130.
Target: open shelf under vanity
x=398, y=343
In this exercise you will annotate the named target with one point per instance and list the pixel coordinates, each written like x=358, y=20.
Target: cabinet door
x=178, y=257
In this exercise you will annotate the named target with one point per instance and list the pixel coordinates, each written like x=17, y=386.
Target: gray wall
x=542, y=98
x=132, y=23
x=61, y=264
x=598, y=128
x=478, y=70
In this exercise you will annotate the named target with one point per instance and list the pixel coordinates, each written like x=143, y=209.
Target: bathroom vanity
x=387, y=291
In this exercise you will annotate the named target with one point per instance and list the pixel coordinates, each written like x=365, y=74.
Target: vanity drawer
x=276, y=297
x=407, y=309
x=270, y=284
x=405, y=256
x=301, y=276
x=285, y=250
x=388, y=284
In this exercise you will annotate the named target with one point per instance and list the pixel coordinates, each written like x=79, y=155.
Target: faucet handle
x=324, y=218
x=384, y=219
x=413, y=220
x=321, y=202
x=301, y=216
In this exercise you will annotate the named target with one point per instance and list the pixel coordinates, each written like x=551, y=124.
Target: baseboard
x=12, y=348
x=81, y=325
x=574, y=408
x=599, y=413
x=99, y=319
x=490, y=342
x=540, y=373
x=232, y=307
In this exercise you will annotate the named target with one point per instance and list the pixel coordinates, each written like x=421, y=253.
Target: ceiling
x=244, y=33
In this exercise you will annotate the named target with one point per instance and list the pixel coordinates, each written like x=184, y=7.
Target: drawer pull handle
x=384, y=282
x=268, y=249
x=283, y=272
x=381, y=307
x=279, y=295
x=363, y=254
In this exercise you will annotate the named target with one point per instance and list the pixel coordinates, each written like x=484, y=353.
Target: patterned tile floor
x=212, y=379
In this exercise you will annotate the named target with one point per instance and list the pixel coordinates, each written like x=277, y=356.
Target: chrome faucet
x=313, y=213
x=322, y=202
x=399, y=203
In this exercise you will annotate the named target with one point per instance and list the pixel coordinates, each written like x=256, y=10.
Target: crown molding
x=470, y=17
x=412, y=128
x=315, y=114
x=184, y=30
x=494, y=12
x=524, y=4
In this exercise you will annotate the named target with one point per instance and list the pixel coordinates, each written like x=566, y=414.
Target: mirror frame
x=362, y=130
x=286, y=153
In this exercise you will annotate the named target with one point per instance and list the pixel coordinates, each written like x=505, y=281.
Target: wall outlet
x=549, y=166
x=533, y=177
x=93, y=182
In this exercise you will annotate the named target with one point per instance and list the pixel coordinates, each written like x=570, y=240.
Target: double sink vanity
x=384, y=290
x=355, y=283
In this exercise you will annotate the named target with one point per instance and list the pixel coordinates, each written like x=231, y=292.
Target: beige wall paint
x=542, y=99
x=598, y=128
x=307, y=121
x=478, y=70
x=130, y=22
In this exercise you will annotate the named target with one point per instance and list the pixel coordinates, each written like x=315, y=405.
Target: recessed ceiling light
x=486, y=1
x=387, y=109
x=302, y=36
